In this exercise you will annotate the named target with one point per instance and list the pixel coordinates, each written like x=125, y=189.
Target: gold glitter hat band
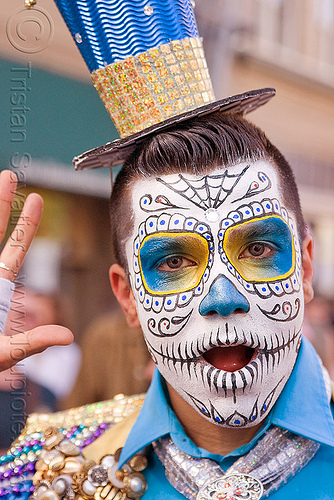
x=160, y=83
x=114, y=153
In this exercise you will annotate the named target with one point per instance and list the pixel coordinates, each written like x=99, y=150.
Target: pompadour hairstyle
x=197, y=147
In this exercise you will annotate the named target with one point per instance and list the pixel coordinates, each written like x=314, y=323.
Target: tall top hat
x=148, y=66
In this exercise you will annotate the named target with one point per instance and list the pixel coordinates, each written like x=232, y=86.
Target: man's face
x=215, y=269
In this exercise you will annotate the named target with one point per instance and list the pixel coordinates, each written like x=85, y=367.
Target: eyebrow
x=261, y=228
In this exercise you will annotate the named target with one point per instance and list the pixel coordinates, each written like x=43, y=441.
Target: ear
x=123, y=293
x=307, y=268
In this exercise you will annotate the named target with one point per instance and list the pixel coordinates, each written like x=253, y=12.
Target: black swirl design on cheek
x=168, y=327
x=285, y=312
x=160, y=203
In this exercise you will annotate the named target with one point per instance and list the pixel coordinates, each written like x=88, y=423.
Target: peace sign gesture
x=20, y=346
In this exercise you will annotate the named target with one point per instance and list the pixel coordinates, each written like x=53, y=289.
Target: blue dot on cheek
x=169, y=302
x=263, y=289
x=156, y=303
x=264, y=407
x=253, y=417
x=267, y=205
x=203, y=410
x=145, y=201
x=237, y=422
x=162, y=222
x=217, y=419
x=176, y=222
x=151, y=224
x=189, y=223
x=184, y=297
x=147, y=301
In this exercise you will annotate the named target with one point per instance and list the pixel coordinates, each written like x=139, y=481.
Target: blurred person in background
x=114, y=360
x=319, y=329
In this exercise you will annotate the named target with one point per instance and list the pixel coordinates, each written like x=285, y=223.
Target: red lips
x=230, y=359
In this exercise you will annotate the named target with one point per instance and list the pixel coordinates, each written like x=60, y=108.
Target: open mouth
x=230, y=359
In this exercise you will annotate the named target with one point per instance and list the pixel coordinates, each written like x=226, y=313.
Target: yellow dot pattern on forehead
x=160, y=83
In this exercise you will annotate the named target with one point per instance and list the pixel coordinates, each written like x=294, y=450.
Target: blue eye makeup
x=261, y=249
x=172, y=262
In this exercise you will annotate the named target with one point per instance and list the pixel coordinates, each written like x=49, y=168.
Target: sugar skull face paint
x=261, y=249
x=172, y=263
x=215, y=268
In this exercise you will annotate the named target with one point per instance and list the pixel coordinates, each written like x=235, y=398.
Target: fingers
x=19, y=241
x=16, y=348
x=8, y=183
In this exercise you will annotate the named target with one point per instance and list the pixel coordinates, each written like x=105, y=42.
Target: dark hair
x=197, y=147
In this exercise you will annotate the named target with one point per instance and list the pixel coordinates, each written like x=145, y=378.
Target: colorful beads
x=79, y=426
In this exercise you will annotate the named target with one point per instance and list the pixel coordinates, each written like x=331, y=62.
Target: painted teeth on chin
x=221, y=379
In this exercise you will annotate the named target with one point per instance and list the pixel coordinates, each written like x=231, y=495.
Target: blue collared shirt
x=303, y=407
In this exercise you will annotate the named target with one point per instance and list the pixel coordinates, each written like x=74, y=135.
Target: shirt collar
x=303, y=407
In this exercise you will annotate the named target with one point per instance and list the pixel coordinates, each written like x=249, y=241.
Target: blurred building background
x=286, y=44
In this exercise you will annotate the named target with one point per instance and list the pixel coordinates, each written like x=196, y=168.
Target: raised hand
x=18, y=347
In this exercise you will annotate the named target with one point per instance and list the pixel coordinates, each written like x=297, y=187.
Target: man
x=214, y=263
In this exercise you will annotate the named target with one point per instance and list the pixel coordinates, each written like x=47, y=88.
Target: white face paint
x=215, y=268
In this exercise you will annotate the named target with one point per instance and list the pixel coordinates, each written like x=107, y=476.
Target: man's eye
x=175, y=262
x=256, y=250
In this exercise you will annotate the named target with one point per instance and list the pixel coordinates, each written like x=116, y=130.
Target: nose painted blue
x=223, y=298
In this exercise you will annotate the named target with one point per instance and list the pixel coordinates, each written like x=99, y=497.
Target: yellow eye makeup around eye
x=261, y=249
x=172, y=262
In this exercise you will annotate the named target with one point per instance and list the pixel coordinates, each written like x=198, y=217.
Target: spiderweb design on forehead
x=210, y=191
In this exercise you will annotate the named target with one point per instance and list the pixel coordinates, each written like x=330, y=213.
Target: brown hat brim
x=114, y=153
